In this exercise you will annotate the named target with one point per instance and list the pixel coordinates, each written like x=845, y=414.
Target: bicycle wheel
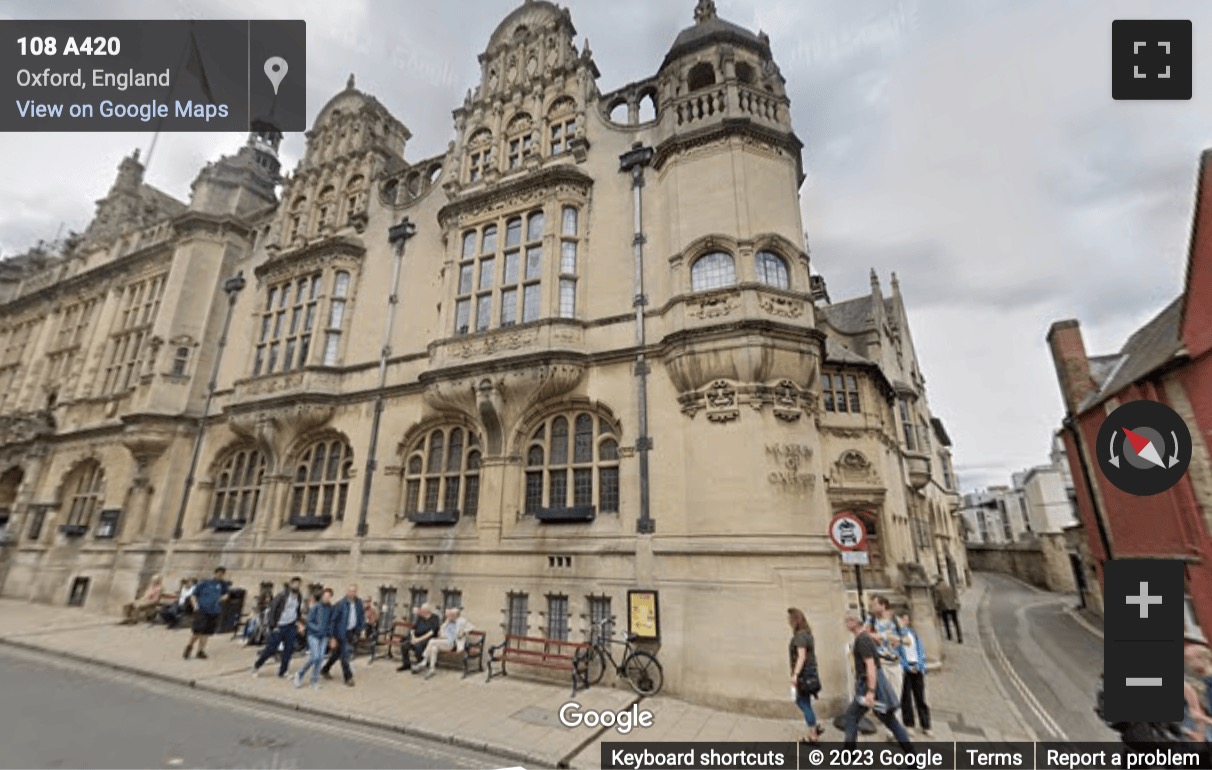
x=644, y=673
x=595, y=665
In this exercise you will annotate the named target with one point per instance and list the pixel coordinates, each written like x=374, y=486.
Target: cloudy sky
x=971, y=146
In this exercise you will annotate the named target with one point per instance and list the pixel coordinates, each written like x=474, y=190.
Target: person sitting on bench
x=424, y=629
x=451, y=638
x=171, y=615
x=144, y=608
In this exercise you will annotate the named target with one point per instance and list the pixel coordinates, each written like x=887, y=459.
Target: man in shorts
x=208, y=600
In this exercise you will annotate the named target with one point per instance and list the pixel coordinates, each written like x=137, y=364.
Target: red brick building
x=1169, y=359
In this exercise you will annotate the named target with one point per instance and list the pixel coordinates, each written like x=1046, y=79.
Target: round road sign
x=847, y=532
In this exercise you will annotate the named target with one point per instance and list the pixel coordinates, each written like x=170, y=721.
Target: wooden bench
x=550, y=654
x=473, y=648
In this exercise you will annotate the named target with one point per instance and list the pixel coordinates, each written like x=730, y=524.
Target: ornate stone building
x=566, y=358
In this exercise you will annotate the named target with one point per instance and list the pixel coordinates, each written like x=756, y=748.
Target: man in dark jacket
x=285, y=613
x=424, y=628
x=208, y=601
x=947, y=607
x=348, y=620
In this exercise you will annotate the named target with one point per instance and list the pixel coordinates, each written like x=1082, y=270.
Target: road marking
x=1087, y=625
x=1024, y=692
x=993, y=677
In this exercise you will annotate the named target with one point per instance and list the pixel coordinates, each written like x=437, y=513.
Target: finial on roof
x=135, y=155
x=896, y=284
x=704, y=10
x=875, y=279
x=349, y=84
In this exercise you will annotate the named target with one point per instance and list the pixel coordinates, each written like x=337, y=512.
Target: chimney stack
x=1072, y=365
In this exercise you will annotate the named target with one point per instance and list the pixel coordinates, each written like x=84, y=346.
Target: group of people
x=889, y=668
x=334, y=628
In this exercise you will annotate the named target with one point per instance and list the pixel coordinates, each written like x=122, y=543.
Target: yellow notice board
x=643, y=614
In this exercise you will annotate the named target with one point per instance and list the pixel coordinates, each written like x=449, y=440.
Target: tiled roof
x=1151, y=347
x=850, y=316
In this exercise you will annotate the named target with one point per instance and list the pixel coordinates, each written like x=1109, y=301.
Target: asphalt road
x=1047, y=660
x=57, y=714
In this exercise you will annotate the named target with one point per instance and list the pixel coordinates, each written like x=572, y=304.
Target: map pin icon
x=275, y=70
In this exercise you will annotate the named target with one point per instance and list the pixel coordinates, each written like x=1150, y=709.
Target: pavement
x=512, y=717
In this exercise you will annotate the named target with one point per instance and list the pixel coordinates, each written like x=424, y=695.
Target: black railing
x=577, y=513
x=227, y=525
x=310, y=522
x=73, y=530
x=434, y=517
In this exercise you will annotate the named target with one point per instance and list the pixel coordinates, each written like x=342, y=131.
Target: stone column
x=497, y=496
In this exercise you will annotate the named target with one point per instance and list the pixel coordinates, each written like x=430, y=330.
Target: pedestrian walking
x=208, y=599
x=348, y=620
x=319, y=625
x=913, y=662
x=886, y=633
x=947, y=607
x=284, y=614
x=872, y=690
x=805, y=676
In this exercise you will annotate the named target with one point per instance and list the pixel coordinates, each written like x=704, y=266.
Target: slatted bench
x=473, y=648
x=549, y=654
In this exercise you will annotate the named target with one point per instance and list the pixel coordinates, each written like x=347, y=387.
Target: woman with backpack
x=805, y=677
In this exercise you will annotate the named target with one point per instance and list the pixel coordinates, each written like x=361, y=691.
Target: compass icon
x=1144, y=448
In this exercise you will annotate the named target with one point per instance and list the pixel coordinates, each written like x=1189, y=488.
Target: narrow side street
x=1046, y=659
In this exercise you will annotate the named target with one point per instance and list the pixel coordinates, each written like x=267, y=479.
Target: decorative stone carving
x=784, y=307
x=500, y=400
x=24, y=427
x=853, y=466
x=722, y=402
x=714, y=306
x=495, y=343
x=786, y=398
x=280, y=427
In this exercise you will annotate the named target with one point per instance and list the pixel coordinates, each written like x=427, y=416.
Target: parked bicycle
x=639, y=668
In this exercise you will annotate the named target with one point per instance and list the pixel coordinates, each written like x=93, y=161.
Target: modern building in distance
x=1038, y=500
x=1169, y=360
x=569, y=357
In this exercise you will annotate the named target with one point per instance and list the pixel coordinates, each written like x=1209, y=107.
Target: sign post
x=849, y=536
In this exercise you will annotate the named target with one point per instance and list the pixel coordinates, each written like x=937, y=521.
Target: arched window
x=321, y=485
x=701, y=75
x=572, y=463
x=772, y=270
x=237, y=490
x=745, y=73
x=443, y=474
x=713, y=271
x=82, y=492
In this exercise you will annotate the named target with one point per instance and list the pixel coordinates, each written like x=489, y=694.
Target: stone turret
x=244, y=182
